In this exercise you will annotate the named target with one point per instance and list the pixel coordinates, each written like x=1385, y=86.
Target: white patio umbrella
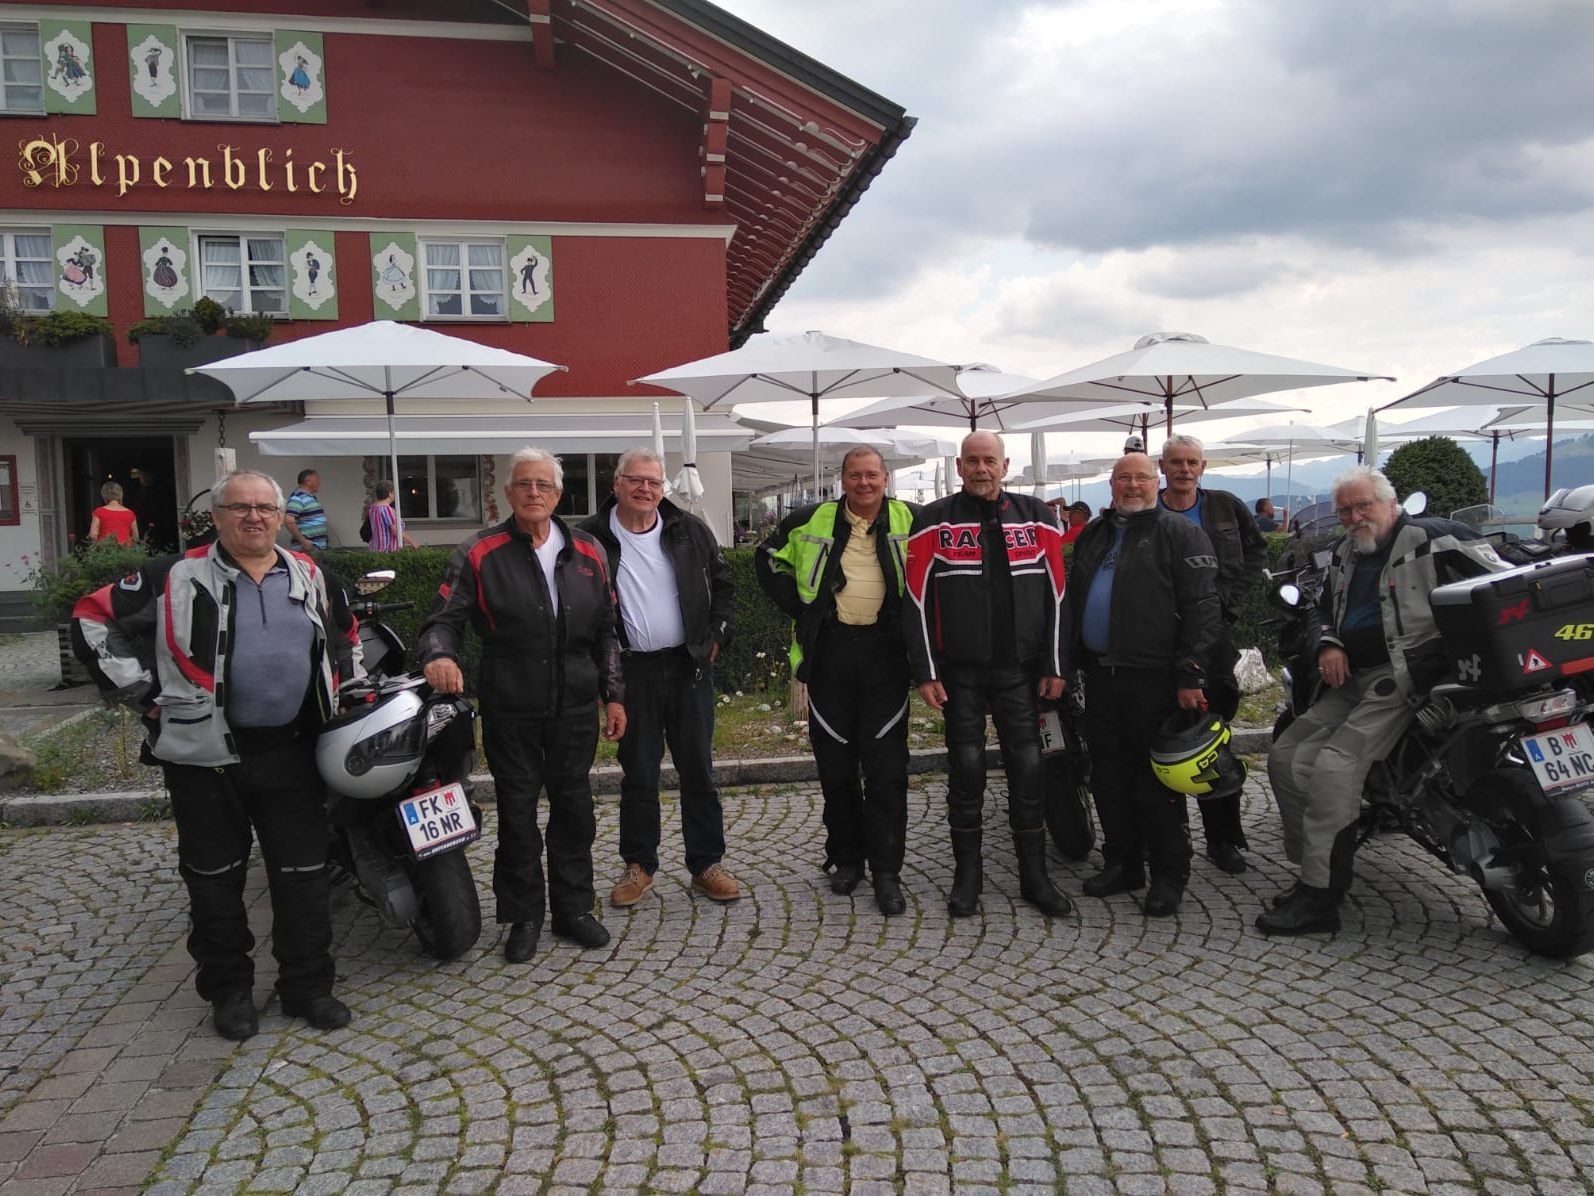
x=809, y=365
x=973, y=406
x=383, y=359
x=1037, y=454
x=1169, y=369
x=1539, y=376
x=1493, y=424
x=1296, y=439
x=1134, y=417
x=658, y=435
x=688, y=484
x=835, y=443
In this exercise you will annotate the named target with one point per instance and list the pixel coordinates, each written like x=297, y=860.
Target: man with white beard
x=1379, y=654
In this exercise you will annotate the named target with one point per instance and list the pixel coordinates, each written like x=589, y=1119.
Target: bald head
x=1134, y=484
x=982, y=464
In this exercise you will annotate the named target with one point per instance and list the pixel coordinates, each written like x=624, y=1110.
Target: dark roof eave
x=791, y=62
x=861, y=179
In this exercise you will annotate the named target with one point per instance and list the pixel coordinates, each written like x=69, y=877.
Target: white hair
x=1182, y=440
x=640, y=453
x=218, y=493
x=1383, y=489
x=530, y=453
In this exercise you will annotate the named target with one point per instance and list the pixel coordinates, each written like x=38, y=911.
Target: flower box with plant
x=189, y=338
x=38, y=340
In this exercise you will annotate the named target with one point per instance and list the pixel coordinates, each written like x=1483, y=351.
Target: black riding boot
x=967, y=876
x=1034, y=885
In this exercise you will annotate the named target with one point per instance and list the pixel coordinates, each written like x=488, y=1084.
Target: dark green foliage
x=56, y=328
x=183, y=329
x=248, y=327
x=82, y=571
x=209, y=315
x=420, y=571
x=1440, y=468
x=760, y=634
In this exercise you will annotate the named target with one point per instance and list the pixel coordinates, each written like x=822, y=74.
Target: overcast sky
x=1398, y=186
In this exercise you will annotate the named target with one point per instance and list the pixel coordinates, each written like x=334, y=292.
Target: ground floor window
x=440, y=488
x=589, y=479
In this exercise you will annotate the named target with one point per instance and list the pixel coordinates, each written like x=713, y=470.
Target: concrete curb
x=80, y=809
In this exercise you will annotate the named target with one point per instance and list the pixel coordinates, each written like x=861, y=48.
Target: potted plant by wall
x=84, y=569
x=189, y=338
x=45, y=340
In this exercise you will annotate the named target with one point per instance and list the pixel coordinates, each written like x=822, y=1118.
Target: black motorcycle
x=1487, y=778
x=397, y=765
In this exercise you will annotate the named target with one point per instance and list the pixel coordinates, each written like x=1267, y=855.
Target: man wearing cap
x=1242, y=555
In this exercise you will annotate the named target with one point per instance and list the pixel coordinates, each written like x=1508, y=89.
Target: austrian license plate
x=1563, y=758
x=438, y=820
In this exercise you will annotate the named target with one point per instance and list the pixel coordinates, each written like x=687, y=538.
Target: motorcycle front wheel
x=1549, y=843
x=1067, y=807
x=450, y=917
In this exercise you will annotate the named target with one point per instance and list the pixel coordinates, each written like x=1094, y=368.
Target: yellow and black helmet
x=1190, y=754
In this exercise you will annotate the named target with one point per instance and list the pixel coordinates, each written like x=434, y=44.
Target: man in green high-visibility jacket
x=837, y=569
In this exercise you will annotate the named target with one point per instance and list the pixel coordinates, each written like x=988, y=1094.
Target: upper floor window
x=244, y=273
x=28, y=273
x=231, y=78
x=21, y=74
x=464, y=279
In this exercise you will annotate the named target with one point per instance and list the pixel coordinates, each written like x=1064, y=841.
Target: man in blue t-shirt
x=305, y=519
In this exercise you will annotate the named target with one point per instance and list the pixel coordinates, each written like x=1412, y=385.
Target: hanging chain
x=221, y=429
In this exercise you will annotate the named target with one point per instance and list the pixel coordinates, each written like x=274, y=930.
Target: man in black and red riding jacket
x=235, y=653
x=984, y=584
x=539, y=595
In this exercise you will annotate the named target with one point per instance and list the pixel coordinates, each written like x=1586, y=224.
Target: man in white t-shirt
x=675, y=615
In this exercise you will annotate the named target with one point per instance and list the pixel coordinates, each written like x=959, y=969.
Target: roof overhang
x=789, y=145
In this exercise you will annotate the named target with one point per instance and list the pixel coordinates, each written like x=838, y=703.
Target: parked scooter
x=1489, y=775
x=397, y=766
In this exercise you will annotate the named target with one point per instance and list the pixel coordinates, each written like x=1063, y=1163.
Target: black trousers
x=668, y=700
x=858, y=722
x=1010, y=693
x=1139, y=817
x=1220, y=816
x=274, y=792
x=526, y=755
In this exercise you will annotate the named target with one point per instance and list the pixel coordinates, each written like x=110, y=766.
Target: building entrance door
x=144, y=466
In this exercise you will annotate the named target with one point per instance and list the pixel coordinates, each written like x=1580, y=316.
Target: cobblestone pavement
x=799, y=1042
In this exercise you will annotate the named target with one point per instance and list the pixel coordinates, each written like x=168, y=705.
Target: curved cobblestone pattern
x=799, y=1042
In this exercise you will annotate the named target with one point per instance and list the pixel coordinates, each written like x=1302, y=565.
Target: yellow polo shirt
x=858, y=602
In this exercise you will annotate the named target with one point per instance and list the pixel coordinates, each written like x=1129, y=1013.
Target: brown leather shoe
x=632, y=886
x=717, y=884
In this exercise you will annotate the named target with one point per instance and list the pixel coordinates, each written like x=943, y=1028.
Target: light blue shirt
x=1098, y=603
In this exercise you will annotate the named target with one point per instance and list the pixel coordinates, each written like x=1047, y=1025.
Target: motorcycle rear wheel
x=1067, y=807
x=450, y=917
x=1550, y=906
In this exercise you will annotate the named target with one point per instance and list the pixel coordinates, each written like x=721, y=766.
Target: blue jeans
x=668, y=700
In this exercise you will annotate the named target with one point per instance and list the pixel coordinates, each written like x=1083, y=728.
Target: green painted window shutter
x=395, y=276
x=301, y=78
x=66, y=51
x=167, y=270
x=531, y=279
x=154, y=60
x=312, y=274
x=79, y=252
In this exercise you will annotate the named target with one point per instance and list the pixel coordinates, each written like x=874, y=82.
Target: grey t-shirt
x=269, y=661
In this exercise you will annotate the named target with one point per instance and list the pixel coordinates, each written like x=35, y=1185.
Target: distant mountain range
x=1518, y=490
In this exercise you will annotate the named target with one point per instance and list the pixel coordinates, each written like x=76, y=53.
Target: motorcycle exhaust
x=1473, y=852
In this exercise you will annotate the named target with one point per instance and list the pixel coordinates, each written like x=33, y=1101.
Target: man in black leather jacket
x=1140, y=618
x=1242, y=555
x=985, y=579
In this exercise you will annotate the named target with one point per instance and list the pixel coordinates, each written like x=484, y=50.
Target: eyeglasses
x=1362, y=507
x=540, y=486
x=1142, y=478
x=241, y=509
x=635, y=480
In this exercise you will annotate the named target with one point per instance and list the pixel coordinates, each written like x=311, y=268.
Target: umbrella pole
x=1549, y=438
x=814, y=398
x=392, y=452
x=1494, y=462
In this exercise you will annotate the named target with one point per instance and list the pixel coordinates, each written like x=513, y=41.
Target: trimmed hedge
x=755, y=659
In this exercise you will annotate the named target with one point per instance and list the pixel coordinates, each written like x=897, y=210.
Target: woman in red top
x=113, y=521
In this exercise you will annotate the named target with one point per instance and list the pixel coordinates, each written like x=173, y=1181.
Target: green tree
x=1441, y=469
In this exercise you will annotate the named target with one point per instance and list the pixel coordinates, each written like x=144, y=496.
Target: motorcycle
x=397, y=765
x=1489, y=774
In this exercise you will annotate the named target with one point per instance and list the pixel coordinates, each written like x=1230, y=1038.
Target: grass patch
x=1261, y=708
x=99, y=751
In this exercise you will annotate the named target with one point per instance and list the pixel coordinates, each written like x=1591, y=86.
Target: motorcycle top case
x=1520, y=629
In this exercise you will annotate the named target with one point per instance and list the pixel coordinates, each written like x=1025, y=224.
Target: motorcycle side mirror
x=1416, y=503
x=375, y=581
x=1322, y=560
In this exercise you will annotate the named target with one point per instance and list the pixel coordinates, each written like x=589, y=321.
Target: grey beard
x=1363, y=544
